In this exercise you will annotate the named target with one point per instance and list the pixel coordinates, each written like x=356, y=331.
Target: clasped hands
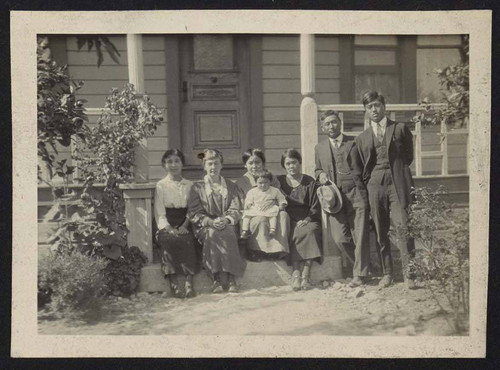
x=218, y=223
x=181, y=230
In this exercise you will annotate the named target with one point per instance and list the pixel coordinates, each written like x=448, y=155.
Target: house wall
x=281, y=90
x=281, y=96
x=82, y=65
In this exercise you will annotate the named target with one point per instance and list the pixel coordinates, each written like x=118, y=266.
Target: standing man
x=386, y=150
x=338, y=161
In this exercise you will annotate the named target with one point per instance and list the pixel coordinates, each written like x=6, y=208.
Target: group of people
x=266, y=217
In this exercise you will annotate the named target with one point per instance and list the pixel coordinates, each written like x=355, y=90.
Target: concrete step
x=257, y=275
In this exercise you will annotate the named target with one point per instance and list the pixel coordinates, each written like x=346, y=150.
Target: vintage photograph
x=253, y=184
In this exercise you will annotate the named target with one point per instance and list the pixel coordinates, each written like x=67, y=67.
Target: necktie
x=380, y=132
x=337, y=144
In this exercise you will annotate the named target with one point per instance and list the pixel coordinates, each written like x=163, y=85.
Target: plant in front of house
x=454, y=81
x=123, y=274
x=106, y=156
x=442, y=262
x=70, y=282
x=74, y=281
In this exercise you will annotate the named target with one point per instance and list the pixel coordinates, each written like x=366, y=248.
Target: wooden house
x=236, y=91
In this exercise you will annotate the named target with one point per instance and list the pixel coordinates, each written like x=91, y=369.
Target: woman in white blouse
x=178, y=254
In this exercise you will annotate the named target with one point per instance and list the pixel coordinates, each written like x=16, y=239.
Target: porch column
x=332, y=261
x=138, y=195
x=136, y=77
x=308, y=107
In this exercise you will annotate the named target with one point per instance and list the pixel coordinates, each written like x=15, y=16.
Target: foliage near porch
x=102, y=154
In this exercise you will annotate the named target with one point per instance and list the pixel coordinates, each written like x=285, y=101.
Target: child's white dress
x=263, y=203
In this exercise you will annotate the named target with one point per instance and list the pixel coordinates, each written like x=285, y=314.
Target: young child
x=263, y=200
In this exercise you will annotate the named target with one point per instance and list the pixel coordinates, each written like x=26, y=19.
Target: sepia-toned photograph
x=287, y=184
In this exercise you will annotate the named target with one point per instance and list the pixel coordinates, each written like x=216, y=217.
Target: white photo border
x=25, y=25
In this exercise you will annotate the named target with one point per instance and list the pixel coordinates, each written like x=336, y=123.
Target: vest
x=343, y=176
x=382, y=168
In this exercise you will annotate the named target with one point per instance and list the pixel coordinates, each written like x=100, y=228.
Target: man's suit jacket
x=325, y=163
x=400, y=153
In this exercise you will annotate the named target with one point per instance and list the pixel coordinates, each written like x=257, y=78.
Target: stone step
x=257, y=275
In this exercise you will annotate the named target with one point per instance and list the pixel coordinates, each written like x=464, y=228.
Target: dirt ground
x=329, y=309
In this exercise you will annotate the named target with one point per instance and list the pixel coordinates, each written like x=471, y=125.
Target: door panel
x=214, y=106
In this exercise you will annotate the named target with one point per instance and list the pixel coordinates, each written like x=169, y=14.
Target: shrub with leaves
x=60, y=115
x=99, y=41
x=442, y=264
x=454, y=81
x=74, y=281
x=106, y=156
x=123, y=274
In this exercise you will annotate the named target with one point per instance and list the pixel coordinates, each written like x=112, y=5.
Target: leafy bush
x=60, y=116
x=454, y=81
x=123, y=274
x=74, y=281
x=127, y=120
x=443, y=262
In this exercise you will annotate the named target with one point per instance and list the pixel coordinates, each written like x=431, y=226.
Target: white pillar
x=136, y=77
x=135, y=62
x=332, y=261
x=308, y=107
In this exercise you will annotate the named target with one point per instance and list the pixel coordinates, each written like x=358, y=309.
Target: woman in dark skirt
x=305, y=218
x=178, y=254
x=214, y=208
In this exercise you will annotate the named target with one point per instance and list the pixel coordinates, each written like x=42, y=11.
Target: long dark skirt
x=305, y=241
x=178, y=253
x=221, y=252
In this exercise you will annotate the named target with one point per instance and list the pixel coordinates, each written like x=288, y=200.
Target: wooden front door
x=214, y=96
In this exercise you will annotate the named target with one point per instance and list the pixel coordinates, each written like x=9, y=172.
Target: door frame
x=174, y=91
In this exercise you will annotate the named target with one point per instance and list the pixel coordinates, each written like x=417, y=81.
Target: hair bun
x=201, y=155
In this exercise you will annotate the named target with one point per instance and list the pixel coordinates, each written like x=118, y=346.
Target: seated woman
x=214, y=209
x=178, y=254
x=263, y=200
x=260, y=244
x=305, y=218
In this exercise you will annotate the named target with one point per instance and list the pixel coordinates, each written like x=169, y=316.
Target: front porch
x=441, y=157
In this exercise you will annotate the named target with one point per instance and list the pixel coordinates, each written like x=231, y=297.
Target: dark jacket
x=400, y=153
x=325, y=163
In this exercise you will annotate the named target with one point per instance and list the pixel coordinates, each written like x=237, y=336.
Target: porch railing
x=419, y=155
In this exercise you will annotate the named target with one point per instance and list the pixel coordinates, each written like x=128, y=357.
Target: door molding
x=256, y=96
x=255, y=119
x=172, y=66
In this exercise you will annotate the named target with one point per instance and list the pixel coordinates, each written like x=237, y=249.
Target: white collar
x=338, y=139
x=208, y=186
x=182, y=182
x=382, y=123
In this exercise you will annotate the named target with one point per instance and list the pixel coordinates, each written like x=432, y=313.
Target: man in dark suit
x=338, y=161
x=386, y=150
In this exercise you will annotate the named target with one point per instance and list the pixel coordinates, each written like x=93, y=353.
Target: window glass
x=375, y=40
x=213, y=53
x=428, y=60
x=375, y=57
x=385, y=83
x=441, y=40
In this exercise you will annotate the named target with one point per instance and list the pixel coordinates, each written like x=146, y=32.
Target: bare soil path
x=331, y=310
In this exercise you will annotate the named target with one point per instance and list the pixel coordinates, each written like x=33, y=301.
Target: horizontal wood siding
x=281, y=90
x=98, y=82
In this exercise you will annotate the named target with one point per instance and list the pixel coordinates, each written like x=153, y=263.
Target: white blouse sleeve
x=160, y=216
